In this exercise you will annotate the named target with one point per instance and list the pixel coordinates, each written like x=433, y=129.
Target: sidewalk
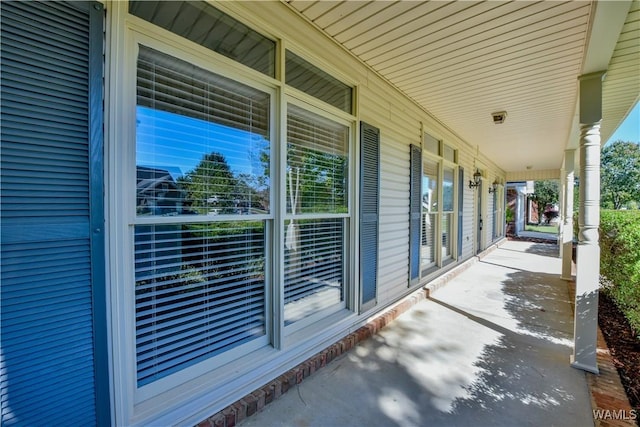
x=491, y=348
x=552, y=237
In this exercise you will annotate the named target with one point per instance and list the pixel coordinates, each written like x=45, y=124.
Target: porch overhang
x=462, y=62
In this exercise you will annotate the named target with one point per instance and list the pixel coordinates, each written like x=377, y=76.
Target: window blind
x=202, y=147
x=317, y=160
x=200, y=290
x=317, y=175
x=170, y=84
x=447, y=230
x=314, y=268
x=430, y=208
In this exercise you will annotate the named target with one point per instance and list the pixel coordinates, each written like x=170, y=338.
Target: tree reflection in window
x=202, y=143
x=171, y=180
x=317, y=154
x=317, y=175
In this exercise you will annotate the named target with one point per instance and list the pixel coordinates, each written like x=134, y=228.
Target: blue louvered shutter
x=460, y=210
x=415, y=212
x=369, y=213
x=51, y=194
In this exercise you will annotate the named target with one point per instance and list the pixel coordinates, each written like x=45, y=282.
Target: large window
x=430, y=206
x=211, y=28
x=202, y=155
x=498, y=214
x=448, y=217
x=310, y=79
x=317, y=191
x=227, y=244
x=439, y=210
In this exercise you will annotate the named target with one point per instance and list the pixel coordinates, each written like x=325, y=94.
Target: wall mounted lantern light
x=494, y=187
x=476, y=179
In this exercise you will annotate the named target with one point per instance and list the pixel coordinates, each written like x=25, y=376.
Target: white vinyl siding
x=397, y=133
x=466, y=160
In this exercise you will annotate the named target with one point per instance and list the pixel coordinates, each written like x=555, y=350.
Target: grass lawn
x=542, y=228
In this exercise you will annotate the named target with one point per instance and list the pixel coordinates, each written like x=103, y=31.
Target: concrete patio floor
x=491, y=348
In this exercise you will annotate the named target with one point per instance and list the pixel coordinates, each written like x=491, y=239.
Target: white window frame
x=132, y=404
x=426, y=269
x=453, y=238
x=311, y=104
x=441, y=261
x=191, y=372
x=130, y=399
x=498, y=211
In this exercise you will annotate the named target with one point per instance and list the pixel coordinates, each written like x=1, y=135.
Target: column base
x=583, y=367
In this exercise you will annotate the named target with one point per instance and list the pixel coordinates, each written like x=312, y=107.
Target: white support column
x=567, y=213
x=588, y=267
x=520, y=210
x=561, y=214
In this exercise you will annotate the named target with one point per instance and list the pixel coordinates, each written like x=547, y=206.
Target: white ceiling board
x=621, y=86
x=461, y=61
x=314, y=9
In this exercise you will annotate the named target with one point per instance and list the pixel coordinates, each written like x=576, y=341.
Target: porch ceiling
x=462, y=61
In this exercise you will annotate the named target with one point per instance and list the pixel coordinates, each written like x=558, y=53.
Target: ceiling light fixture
x=499, y=117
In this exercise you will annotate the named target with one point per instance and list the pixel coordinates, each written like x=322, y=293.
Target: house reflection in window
x=157, y=193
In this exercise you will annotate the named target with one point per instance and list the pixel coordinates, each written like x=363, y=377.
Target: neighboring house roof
x=150, y=180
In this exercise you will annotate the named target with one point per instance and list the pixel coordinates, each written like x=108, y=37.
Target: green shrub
x=620, y=260
x=510, y=215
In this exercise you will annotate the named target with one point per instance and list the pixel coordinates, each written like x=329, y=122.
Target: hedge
x=620, y=260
